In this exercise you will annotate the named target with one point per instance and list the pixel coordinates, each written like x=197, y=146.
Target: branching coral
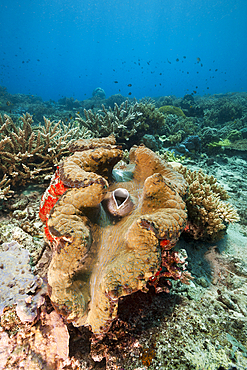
x=122, y=121
x=5, y=191
x=126, y=122
x=102, y=252
x=29, y=152
x=208, y=214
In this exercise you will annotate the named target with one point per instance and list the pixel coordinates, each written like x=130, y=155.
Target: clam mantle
x=110, y=238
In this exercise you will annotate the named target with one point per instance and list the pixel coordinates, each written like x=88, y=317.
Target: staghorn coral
x=29, y=153
x=117, y=121
x=97, y=257
x=208, y=214
x=5, y=191
x=128, y=122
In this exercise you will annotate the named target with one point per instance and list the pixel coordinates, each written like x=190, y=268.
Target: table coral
x=99, y=257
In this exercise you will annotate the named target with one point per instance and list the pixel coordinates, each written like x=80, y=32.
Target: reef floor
x=201, y=326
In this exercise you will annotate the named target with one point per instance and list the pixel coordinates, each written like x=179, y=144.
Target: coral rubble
x=98, y=257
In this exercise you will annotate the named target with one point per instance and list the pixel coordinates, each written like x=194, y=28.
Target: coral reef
x=152, y=330
x=29, y=153
x=238, y=145
x=170, y=109
x=99, y=256
x=43, y=346
x=208, y=214
x=128, y=122
x=99, y=93
x=20, y=221
x=189, y=146
x=190, y=107
x=5, y=191
x=219, y=144
x=234, y=135
x=177, y=128
x=222, y=111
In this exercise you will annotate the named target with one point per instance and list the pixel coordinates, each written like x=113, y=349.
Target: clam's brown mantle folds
x=102, y=252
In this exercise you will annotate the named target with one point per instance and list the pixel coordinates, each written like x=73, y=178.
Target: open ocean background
x=158, y=47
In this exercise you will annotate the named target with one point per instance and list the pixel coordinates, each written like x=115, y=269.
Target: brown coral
x=209, y=215
x=27, y=152
x=99, y=258
x=5, y=191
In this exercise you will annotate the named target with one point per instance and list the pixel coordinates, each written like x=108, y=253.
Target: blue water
x=67, y=48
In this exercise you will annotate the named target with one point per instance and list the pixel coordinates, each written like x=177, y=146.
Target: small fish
x=129, y=85
x=198, y=60
x=194, y=91
x=184, y=57
x=177, y=60
x=115, y=82
x=130, y=93
x=78, y=112
x=8, y=103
